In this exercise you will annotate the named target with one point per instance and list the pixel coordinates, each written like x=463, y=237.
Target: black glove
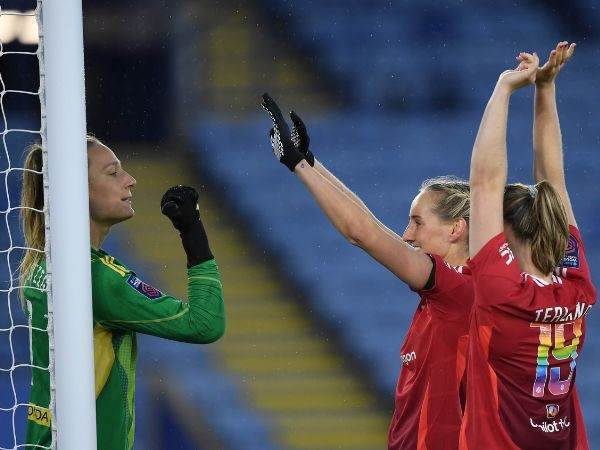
x=281, y=138
x=180, y=205
x=300, y=138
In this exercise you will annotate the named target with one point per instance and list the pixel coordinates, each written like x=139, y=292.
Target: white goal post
x=67, y=222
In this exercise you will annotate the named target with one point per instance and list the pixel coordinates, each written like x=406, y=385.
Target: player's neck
x=457, y=255
x=522, y=254
x=98, y=233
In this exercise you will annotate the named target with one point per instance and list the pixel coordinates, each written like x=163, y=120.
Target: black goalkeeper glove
x=180, y=205
x=288, y=148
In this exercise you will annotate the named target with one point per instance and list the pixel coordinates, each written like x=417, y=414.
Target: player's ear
x=459, y=229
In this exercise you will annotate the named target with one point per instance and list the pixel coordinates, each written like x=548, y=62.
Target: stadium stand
x=414, y=114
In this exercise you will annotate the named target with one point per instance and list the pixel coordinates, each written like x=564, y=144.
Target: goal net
x=20, y=125
x=44, y=103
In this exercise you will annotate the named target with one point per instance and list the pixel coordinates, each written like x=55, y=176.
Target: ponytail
x=537, y=215
x=32, y=212
x=550, y=242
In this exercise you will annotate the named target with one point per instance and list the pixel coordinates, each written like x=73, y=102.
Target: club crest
x=551, y=411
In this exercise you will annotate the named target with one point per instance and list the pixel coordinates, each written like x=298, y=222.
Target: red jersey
x=428, y=410
x=525, y=337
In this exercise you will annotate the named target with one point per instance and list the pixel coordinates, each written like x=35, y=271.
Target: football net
x=20, y=125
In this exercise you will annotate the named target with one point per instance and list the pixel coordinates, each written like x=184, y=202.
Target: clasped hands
x=528, y=71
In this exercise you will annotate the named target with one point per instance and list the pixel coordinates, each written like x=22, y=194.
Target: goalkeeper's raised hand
x=180, y=205
x=288, y=148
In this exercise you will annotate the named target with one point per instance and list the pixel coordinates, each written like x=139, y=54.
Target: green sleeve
x=123, y=302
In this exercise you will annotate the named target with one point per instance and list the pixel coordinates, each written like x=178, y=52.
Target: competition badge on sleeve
x=571, y=258
x=143, y=288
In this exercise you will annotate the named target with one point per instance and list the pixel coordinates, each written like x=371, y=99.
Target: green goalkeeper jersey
x=122, y=305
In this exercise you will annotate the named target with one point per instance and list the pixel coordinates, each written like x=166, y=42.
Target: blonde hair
x=452, y=197
x=32, y=212
x=537, y=216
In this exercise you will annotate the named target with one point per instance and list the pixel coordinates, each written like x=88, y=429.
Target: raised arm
x=301, y=142
x=547, y=140
x=354, y=220
x=348, y=214
x=355, y=199
x=123, y=301
x=489, y=161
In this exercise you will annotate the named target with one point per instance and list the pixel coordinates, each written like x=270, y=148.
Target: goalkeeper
x=123, y=304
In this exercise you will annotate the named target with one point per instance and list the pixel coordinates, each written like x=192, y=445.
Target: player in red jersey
x=528, y=322
x=430, y=258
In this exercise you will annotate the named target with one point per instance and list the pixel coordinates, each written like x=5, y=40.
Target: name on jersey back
x=562, y=313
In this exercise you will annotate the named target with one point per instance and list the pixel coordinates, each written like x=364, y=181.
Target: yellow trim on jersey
x=164, y=319
x=109, y=261
x=207, y=278
x=104, y=356
x=39, y=415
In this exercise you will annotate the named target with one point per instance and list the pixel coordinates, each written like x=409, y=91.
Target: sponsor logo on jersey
x=408, y=357
x=39, y=415
x=551, y=427
x=38, y=278
x=143, y=288
x=571, y=258
x=109, y=261
x=551, y=411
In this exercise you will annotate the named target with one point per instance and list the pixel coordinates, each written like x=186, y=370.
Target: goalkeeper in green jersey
x=122, y=303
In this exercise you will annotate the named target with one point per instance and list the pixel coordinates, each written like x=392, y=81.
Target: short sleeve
x=452, y=288
x=574, y=265
x=496, y=273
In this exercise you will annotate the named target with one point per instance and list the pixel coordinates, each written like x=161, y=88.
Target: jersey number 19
x=559, y=351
